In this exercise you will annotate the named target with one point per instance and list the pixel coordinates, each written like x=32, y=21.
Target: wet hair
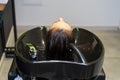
x=57, y=44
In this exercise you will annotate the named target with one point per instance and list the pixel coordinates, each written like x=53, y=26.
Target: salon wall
x=95, y=13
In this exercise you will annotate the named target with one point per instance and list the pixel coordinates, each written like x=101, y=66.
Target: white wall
x=76, y=12
x=3, y=1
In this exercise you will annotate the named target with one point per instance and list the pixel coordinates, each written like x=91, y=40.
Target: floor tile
x=112, y=68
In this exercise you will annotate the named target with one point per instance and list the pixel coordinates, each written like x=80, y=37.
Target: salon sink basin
x=87, y=47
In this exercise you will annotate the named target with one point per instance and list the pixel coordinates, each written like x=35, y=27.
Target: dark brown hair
x=57, y=44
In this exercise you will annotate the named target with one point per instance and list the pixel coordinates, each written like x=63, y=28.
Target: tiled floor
x=110, y=39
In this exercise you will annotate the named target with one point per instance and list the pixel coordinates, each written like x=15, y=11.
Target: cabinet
x=7, y=20
x=2, y=6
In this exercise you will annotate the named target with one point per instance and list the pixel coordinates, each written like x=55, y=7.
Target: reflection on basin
x=88, y=50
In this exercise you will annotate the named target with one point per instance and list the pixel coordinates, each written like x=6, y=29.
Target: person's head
x=58, y=39
x=61, y=25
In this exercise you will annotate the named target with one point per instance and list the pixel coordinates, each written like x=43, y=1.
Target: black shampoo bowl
x=87, y=47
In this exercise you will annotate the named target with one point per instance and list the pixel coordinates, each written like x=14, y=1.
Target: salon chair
x=87, y=48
